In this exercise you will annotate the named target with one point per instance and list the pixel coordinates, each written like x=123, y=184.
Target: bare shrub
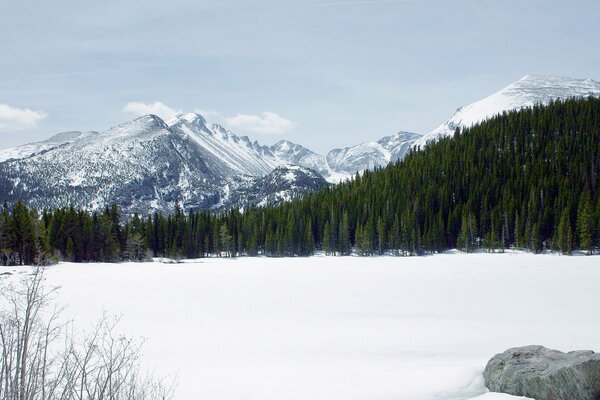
x=43, y=359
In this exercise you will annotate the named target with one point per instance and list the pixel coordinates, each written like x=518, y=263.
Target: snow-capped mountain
x=369, y=155
x=144, y=166
x=147, y=165
x=221, y=150
x=295, y=154
x=141, y=165
x=30, y=149
x=284, y=183
x=526, y=92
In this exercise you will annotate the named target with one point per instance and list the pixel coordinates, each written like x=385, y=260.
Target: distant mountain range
x=147, y=164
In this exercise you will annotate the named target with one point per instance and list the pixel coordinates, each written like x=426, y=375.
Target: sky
x=321, y=73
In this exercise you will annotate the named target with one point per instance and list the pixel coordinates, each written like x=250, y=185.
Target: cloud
x=157, y=108
x=209, y=114
x=14, y=119
x=269, y=123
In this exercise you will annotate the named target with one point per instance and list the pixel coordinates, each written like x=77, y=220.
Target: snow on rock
x=147, y=165
x=526, y=92
x=31, y=149
x=370, y=155
x=144, y=165
x=222, y=149
x=292, y=153
x=284, y=183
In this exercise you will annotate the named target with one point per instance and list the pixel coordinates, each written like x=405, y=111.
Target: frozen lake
x=339, y=327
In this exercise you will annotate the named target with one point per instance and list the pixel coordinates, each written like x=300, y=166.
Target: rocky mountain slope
x=284, y=183
x=348, y=161
x=147, y=165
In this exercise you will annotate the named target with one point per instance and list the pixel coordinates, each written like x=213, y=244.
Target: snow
x=339, y=327
x=526, y=92
x=497, y=396
x=29, y=149
x=350, y=160
x=232, y=152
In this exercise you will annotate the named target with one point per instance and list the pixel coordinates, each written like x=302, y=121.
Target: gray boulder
x=545, y=374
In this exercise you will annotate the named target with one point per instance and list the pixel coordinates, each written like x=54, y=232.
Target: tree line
x=524, y=179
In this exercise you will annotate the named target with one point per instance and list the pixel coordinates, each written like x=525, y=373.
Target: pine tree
x=326, y=245
x=565, y=234
x=381, y=239
x=362, y=241
x=308, y=247
x=584, y=223
x=344, y=237
x=226, y=241
x=22, y=228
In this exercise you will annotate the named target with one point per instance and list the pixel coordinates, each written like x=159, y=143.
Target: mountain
x=527, y=179
x=284, y=183
x=223, y=151
x=31, y=149
x=148, y=164
x=145, y=165
x=529, y=90
x=295, y=154
x=478, y=191
x=369, y=155
x=141, y=165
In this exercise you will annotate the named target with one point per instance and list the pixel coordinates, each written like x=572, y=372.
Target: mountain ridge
x=148, y=164
x=526, y=92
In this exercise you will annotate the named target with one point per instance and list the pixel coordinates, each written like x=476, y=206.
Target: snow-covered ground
x=339, y=328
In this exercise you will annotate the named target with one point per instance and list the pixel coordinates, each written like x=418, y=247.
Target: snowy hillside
x=284, y=183
x=295, y=154
x=31, y=149
x=369, y=155
x=222, y=150
x=526, y=92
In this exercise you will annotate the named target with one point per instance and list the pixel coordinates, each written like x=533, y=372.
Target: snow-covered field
x=339, y=328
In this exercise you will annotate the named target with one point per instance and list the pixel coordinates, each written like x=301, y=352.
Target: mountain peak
x=190, y=118
x=558, y=84
x=150, y=119
x=139, y=126
x=526, y=92
x=285, y=146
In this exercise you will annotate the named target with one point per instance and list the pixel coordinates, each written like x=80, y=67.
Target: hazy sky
x=322, y=73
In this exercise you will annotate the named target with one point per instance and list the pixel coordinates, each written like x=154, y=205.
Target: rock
x=545, y=374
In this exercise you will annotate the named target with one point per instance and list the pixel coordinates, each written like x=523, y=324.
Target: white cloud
x=157, y=108
x=210, y=114
x=16, y=119
x=269, y=123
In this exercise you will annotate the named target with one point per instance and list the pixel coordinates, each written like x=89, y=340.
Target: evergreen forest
x=525, y=179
